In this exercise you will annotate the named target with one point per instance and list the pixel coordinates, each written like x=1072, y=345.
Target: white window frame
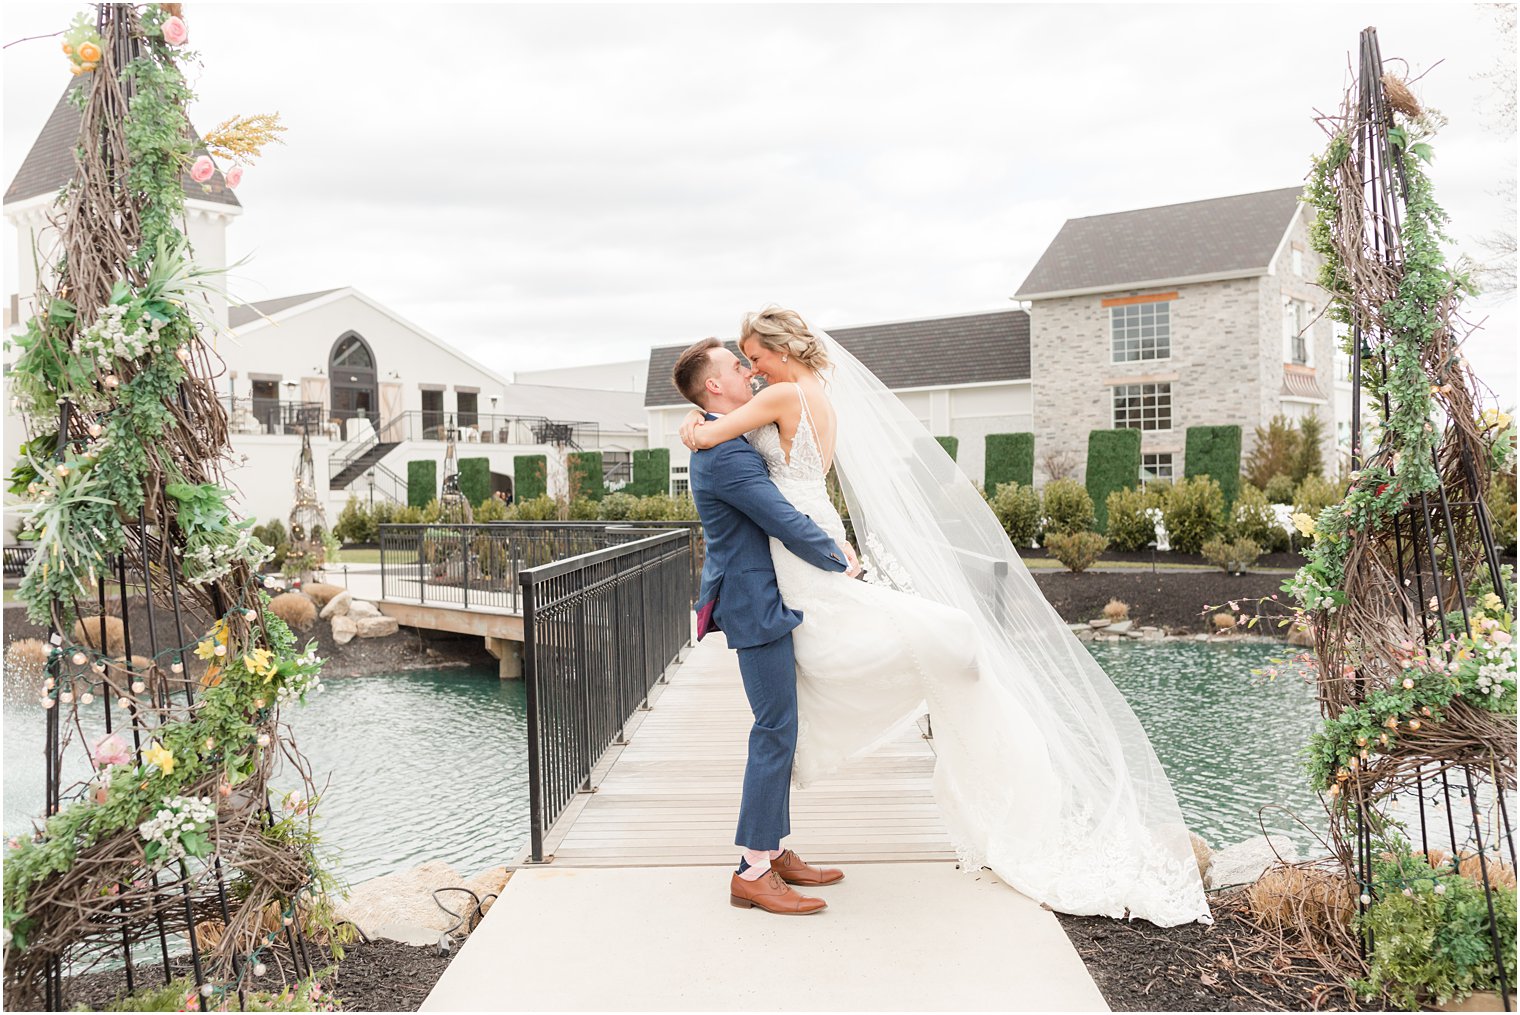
x=1296, y=317
x=680, y=480
x=1298, y=262
x=1132, y=319
x=1162, y=390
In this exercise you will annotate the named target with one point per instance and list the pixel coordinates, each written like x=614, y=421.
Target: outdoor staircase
x=361, y=463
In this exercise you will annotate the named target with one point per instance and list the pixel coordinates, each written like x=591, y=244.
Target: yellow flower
x=205, y=649
x=161, y=756
x=1303, y=523
x=260, y=661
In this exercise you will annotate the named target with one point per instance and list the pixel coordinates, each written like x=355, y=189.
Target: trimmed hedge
x=585, y=473
x=952, y=446
x=651, y=472
x=1214, y=451
x=475, y=480
x=530, y=477
x=421, y=482
x=1113, y=463
x=1010, y=459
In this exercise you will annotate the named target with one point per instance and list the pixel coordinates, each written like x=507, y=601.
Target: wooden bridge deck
x=670, y=797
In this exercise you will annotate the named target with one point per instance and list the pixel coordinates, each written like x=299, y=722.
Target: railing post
x=535, y=726
x=464, y=563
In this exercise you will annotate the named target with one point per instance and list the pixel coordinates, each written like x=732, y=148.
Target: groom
x=740, y=509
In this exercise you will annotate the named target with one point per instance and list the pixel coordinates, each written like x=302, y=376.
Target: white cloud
x=544, y=185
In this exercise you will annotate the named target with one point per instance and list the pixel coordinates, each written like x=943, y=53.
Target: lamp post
x=371, y=476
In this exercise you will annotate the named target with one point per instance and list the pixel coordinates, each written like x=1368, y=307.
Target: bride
x=1043, y=773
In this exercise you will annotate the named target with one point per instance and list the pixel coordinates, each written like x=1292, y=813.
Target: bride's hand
x=688, y=431
x=853, y=571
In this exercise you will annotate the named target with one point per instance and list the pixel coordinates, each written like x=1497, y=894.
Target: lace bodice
x=803, y=472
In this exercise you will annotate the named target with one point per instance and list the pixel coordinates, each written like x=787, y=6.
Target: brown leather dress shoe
x=771, y=894
x=796, y=871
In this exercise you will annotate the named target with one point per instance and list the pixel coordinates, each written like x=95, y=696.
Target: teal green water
x=433, y=764
x=1229, y=741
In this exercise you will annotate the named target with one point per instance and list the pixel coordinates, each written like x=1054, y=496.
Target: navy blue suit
x=741, y=509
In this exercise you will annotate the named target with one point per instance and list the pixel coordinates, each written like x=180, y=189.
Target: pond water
x=433, y=764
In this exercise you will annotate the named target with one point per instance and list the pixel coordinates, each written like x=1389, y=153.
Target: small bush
x=1116, y=610
x=272, y=534
x=492, y=509
x=1253, y=519
x=87, y=632
x=356, y=524
x=535, y=509
x=583, y=509
x=1274, y=451
x=321, y=593
x=1192, y=513
x=1068, y=508
x=1078, y=551
x=1280, y=489
x=617, y=507
x=1231, y=556
x=1018, y=509
x=1501, y=510
x=295, y=608
x=1129, y=527
x=1315, y=494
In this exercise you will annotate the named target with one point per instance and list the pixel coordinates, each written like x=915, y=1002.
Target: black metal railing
x=486, y=428
x=599, y=631
x=273, y=416
x=16, y=560
x=479, y=565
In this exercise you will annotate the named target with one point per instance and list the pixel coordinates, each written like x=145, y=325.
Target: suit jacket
x=741, y=509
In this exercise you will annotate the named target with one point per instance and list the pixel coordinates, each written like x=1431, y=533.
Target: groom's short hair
x=694, y=368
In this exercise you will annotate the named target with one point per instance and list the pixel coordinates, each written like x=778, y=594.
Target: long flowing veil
x=1043, y=771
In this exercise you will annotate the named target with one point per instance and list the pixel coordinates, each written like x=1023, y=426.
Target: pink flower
x=234, y=177
x=1501, y=637
x=175, y=32
x=203, y=169
x=111, y=750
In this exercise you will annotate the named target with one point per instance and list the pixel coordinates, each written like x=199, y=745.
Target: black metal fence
x=480, y=565
x=599, y=630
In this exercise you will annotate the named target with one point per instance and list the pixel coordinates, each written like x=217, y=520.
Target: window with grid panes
x=1156, y=467
x=1140, y=331
x=1143, y=406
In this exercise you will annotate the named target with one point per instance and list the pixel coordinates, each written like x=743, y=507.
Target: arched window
x=355, y=386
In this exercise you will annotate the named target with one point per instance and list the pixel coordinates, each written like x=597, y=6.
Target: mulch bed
x=1141, y=967
x=376, y=976
x=1167, y=599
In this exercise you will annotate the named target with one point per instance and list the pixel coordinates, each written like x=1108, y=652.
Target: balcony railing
x=479, y=565
x=599, y=631
x=487, y=428
x=270, y=416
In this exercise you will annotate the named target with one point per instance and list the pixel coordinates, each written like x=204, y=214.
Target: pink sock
x=759, y=861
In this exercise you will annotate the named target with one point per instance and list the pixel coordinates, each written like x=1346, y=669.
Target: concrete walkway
x=632, y=912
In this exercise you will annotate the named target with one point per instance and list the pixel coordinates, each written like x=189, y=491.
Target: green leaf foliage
x=475, y=480
x=1193, y=513
x=1017, y=507
x=1068, y=507
x=651, y=472
x=530, y=477
x=585, y=474
x=1113, y=463
x=1214, y=451
x=952, y=446
x=1009, y=459
x=421, y=482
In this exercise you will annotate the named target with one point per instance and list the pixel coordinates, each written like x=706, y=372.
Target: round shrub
x=1253, y=519
x=1280, y=489
x=321, y=593
x=356, y=524
x=617, y=507
x=1233, y=556
x=1018, y=510
x=535, y=509
x=295, y=608
x=1078, y=551
x=1315, y=494
x=1129, y=527
x=1068, y=508
x=491, y=510
x=1192, y=513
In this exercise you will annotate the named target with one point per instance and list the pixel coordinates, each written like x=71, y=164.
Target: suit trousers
x=770, y=682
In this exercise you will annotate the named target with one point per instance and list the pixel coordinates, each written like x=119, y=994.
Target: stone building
x=1203, y=313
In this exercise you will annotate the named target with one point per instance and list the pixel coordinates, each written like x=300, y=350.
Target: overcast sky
x=554, y=185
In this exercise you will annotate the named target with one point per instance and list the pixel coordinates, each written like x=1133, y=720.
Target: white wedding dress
x=871, y=655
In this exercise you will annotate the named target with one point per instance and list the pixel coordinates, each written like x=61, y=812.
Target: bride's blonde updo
x=785, y=332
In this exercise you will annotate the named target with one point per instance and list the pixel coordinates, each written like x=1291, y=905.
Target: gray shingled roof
x=244, y=313
x=1221, y=237
x=50, y=164
x=973, y=348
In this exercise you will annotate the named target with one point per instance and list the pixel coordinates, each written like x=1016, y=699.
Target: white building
x=963, y=377
x=626, y=375
x=372, y=390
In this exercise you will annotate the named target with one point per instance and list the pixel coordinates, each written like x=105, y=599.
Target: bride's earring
x=783, y=359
